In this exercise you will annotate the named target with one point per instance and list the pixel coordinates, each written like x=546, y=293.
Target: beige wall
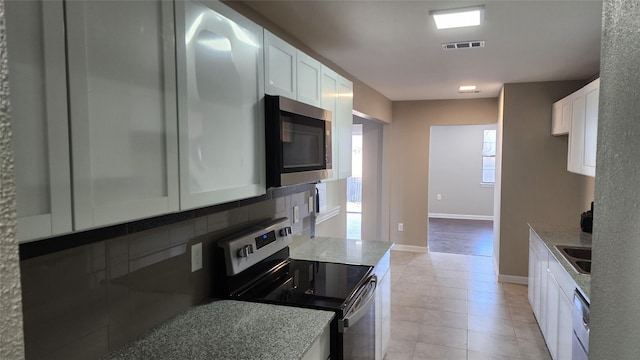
x=365, y=99
x=408, y=143
x=455, y=172
x=337, y=225
x=535, y=183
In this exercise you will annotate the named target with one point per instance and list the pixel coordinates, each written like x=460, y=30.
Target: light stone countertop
x=327, y=249
x=553, y=235
x=231, y=330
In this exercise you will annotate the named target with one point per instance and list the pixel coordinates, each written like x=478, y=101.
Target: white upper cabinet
x=591, y=100
x=221, y=112
x=329, y=101
x=561, y=117
x=280, y=67
x=308, y=79
x=291, y=73
x=337, y=97
x=584, y=130
x=38, y=95
x=344, y=119
x=122, y=110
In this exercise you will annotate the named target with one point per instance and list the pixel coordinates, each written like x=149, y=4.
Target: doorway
x=364, y=187
x=461, y=196
x=354, y=186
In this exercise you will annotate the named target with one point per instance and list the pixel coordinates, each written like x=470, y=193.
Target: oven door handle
x=361, y=305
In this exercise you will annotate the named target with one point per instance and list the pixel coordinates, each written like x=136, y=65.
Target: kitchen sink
x=583, y=253
x=584, y=266
x=578, y=257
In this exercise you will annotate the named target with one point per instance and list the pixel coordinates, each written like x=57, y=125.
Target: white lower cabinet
x=383, y=306
x=552, y=308
x=565, y=327
x=220, y=91
x=121, y=62
x=321, y=348
x=551, y=322
x=39, y=117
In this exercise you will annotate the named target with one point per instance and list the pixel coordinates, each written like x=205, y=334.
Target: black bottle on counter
x=586, y=220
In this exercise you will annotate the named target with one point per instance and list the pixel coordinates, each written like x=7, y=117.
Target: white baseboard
x=421, y=249
x=327, y=214
x=460, y=216
x=514, y=279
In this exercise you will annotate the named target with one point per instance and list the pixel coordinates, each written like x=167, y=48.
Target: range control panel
x=255, y=244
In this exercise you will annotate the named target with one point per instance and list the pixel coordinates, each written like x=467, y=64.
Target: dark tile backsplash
x=85, y=301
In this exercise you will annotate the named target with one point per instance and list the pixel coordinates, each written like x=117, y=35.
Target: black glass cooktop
x=315, y=284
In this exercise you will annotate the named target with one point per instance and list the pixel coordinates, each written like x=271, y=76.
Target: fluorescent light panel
x=447, y=19
x=467, y=88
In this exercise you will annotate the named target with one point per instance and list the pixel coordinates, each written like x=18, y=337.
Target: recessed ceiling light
x=454, y=18
x=467, y=88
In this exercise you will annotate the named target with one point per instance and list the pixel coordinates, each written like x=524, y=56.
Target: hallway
x=448, y=306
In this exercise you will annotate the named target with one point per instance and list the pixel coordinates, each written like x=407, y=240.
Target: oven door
x=358, y=326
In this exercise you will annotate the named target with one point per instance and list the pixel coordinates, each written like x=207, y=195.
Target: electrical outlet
x=296, y=214
x=196, y=257
x=439, y=196
x=311, y=207
x=400, y=227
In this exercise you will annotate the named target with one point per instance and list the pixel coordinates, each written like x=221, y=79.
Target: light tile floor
x=449, y=306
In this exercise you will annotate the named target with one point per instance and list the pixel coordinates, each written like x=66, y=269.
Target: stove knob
x=249, y=249
x=285, y=231
x=242, y=252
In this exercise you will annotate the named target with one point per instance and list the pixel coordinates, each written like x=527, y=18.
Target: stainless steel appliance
x=255, y=266
x=580, y=347
x=297, y=142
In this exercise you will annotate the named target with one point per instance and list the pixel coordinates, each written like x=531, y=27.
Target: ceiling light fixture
x=454, y=18
x=467, y=88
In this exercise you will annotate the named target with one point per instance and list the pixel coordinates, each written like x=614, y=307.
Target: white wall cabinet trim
x=138, y=164
x=221, y=111
x=38, y=27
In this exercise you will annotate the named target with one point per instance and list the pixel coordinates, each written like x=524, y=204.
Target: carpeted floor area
x=457, y=236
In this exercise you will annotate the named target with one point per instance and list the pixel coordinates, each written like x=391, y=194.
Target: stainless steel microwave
x=298, y=142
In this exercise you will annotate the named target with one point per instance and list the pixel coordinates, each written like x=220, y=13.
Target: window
x=489, y=157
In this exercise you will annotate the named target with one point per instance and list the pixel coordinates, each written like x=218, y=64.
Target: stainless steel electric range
x=254, y=265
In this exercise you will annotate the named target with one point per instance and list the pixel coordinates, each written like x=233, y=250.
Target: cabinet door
x=384, y=298
x=576, y=135
x=532, y=269
x=584, y=129
x=565, y=328
x=308, y=79
x=280, y=66
x=329, y=90
x=561, y=119
x=550, y=330
x=591, y=98
x=566, y=115
x=39, y=119
x=344, y=120
x=121, y=61
x=220, y=89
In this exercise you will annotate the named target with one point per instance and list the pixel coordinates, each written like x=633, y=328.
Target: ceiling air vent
x=463, y=45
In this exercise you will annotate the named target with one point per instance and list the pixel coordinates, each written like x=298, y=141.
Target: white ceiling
x=394, y=47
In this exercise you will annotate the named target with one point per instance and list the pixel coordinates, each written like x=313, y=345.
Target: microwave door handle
x=353, y=316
